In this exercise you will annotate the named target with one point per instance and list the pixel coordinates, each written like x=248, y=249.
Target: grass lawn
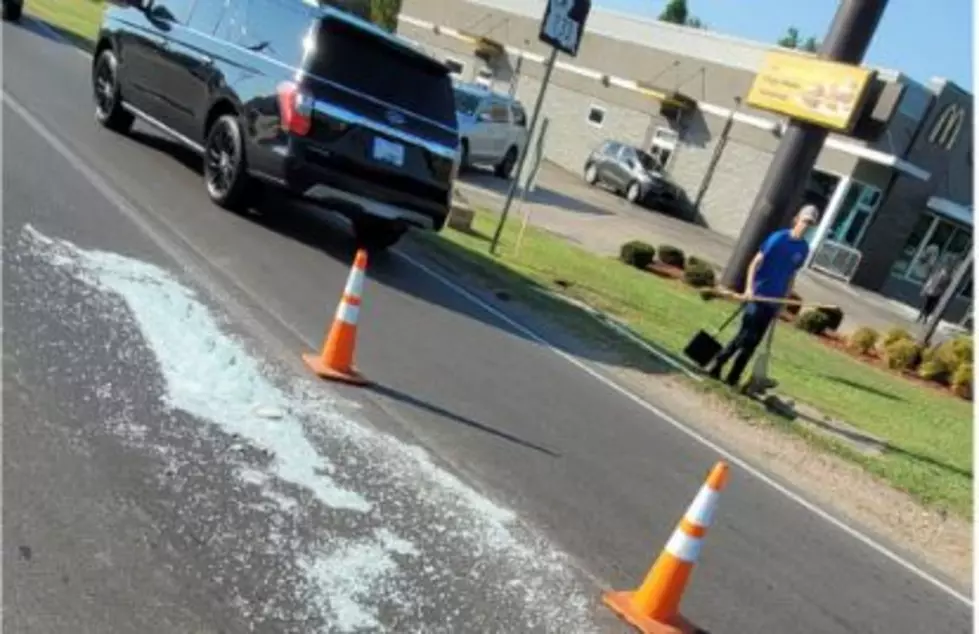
x=78, y=17
x=930, y=433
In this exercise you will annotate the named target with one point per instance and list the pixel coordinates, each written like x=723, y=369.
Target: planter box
x=461, y=218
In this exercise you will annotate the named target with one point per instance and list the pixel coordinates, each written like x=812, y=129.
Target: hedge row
x=948, y=363
x=641, y=255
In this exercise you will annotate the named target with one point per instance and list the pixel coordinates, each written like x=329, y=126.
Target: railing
x=837, y=260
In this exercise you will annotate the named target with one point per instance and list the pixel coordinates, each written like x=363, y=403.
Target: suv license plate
x=389, y=152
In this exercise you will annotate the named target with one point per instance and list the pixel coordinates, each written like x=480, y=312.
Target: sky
x=921, y=38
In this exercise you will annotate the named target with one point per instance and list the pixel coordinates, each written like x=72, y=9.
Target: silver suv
x=492, y=128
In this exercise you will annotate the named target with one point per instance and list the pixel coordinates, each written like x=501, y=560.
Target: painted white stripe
x=348, y=313
x=179, y=255
x=355, y=283
x=684, y=547
x=701, y=511
x=693, y=434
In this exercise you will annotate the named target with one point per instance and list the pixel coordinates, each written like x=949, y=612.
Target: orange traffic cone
x=655, y=607
x=336, y=360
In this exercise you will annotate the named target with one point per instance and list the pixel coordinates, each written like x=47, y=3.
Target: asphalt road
x=97, y=538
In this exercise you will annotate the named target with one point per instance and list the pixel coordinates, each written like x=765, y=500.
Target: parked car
x=303, y=98
x=12, y=9
x=492, y=128
x=636, y=174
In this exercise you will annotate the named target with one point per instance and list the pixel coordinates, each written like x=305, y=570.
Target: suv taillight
x=295, y=109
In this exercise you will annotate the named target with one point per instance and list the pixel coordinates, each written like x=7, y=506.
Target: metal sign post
x=531, y=183
x=562, y=28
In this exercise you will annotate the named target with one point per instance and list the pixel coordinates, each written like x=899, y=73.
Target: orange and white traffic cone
x=655, y=607
x=336, y=361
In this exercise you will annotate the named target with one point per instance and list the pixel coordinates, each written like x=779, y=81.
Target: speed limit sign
x=564, y=24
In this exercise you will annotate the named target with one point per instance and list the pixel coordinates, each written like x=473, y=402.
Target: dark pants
x=757, y=317
x=928, y=307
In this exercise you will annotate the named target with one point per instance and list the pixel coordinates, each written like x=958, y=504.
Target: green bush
x=862, y=340
x=698, y=273
x=893, y=335
x=812, y=321
x=954, y=352
x=794, y=309
x=671, y=256
x=962, y=381
x=902, y=354
x=834, y=317
x=932, y=370
x=637, y=253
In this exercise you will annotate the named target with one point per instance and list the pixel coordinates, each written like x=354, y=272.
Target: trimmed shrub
x=698, y=273
x=954, y=352
x=893, y=335
x=834, y=317
x=794, y=309
x=637, y=253
x=671, y=256
x=863, y=340
x=932, y=370
x=962, y=381
x=812, y=321
x=902, y=354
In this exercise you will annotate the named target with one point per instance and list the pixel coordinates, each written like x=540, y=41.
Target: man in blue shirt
x=771, y=274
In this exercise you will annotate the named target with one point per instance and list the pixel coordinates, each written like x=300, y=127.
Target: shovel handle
x=769, y=300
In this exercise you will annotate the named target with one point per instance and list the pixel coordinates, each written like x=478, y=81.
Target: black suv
x=308, y=98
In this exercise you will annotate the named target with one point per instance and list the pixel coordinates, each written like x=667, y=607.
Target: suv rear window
x=408, y=79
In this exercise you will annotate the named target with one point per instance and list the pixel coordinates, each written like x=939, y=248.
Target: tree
x=675, y=12
x=791, y=39
x=384, y=13
x=695, y=23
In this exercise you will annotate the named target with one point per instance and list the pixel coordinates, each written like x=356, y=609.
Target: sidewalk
x=601, y=222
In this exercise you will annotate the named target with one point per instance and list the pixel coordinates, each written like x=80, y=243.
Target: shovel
x=704, y=347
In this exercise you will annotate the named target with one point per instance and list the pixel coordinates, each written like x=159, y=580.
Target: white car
x=492, y=128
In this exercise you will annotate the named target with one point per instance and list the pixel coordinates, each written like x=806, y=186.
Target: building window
x=932, y=240
x=855, y=213
x=596, y=116
x=946, y=130
x=663, y=146
x=456, y=68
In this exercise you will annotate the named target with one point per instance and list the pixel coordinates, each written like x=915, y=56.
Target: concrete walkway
x=601, y=222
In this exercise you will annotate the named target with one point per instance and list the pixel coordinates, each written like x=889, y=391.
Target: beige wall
x=631, y=116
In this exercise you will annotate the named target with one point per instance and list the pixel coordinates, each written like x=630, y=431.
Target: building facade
x=895, y=201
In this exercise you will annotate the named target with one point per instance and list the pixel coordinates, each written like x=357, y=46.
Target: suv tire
x=225, y=167
x=505, y=168
x=633, y=192
x=105, y=90
x=377, y=235
x=11, y=11
x=591, y=174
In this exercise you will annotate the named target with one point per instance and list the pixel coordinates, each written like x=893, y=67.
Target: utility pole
x=848, y=39
x=961, y=272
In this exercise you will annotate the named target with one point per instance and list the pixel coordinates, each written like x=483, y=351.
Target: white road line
x=736, y=460
x=692, y=433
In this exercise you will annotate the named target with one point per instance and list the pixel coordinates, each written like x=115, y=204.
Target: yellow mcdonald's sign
x=818, y=91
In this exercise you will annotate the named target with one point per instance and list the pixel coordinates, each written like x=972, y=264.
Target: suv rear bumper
x=351, y=194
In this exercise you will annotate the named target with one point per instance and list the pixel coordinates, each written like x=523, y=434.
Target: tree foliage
x=793, y=40
x=384, y=13
x=677, y=12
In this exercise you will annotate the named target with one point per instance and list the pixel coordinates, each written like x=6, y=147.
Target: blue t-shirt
x=782, y=256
